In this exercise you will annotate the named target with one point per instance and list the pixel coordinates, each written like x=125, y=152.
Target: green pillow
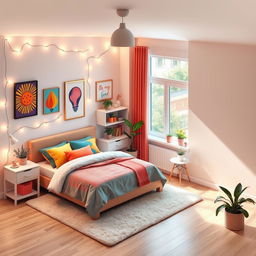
x=83, y=139
x=47, y=156
x=77, y=144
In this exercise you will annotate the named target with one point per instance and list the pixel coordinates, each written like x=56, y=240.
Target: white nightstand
x=113, y=144
x=19, y=175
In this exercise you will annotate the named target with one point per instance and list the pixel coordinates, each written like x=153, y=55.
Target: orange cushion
x=86, y=151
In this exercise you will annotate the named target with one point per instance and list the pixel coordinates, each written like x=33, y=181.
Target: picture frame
x=103, y=90
x=51, y=100
x=25, y=99
x=74, y=99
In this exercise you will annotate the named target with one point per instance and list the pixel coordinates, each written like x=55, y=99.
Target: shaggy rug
x=121, y=222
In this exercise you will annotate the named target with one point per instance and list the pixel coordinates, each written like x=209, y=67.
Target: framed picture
x=25, y=99
x=74, y=99
x=104, y=90
x=51, y=100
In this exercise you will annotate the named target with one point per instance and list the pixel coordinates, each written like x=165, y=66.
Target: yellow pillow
x=94, y=145
x=58, y=154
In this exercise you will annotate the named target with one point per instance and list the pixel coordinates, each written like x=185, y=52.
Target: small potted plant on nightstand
x=133, y=131
x=169, y=138
x=181, y=152
x=233, y=205
x=109, y=132
x=107, y=104
x=22, y=155
x=181, y=135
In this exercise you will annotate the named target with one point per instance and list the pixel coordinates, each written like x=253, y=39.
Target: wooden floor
x=194, y=231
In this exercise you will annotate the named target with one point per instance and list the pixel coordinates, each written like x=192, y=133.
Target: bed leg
x=160, y=189
x=96, y=217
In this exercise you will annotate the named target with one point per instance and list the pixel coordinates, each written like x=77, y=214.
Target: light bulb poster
x=51, y=100
x=74, y=99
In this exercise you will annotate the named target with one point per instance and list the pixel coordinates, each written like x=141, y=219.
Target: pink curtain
x=139, y=97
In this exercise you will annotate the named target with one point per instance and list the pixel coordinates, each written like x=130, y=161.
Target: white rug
x=121, y=222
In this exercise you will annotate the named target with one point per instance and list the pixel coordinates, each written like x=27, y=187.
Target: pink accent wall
x=222, y=122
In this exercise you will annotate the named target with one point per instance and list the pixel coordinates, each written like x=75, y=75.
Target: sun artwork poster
x=104, y=90
x=25, y=99
x=74, y=99
x=51, y=100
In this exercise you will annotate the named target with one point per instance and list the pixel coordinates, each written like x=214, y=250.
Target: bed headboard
x=36, y=144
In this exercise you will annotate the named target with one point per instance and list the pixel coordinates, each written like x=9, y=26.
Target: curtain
x=139, y=97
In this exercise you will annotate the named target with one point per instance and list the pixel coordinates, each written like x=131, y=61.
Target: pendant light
x=122, y=37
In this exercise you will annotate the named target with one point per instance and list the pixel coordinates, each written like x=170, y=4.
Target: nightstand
x=22, y=174
x=113, y=144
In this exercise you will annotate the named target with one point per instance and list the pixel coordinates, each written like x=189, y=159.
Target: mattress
x=46, y=169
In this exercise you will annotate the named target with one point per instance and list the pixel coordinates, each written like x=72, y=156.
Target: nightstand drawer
x=27, y=175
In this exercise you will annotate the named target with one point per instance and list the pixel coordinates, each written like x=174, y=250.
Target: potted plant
x=111, y=118
x=233, y=205
x=109, y=132
x=107, y=104
x=181, y=152
x=169, y=138
x=22, y=155
x=133, y=132
x=181, y=135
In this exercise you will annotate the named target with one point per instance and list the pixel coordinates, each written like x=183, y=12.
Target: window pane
x=178, y=109
x=169, y=68
x=157, y=108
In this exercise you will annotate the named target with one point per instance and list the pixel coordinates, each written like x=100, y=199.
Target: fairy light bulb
x=98, y=60
x=114, y=50
x=4, y=127
x=21, y=130
x=106, y=45
x=2, y=103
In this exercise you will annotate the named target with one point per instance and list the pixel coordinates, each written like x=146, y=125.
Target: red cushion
x=86, y=151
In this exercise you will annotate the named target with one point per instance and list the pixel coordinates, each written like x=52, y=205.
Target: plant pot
x=181, y=157
x=110, y=119
x=22, y=161
x=169, y=139
x=114, y=119
x=234, y=221
x=181, y=142
x=133, y=153
x=108, y=136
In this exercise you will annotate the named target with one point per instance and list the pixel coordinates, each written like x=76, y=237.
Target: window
x=168, y=95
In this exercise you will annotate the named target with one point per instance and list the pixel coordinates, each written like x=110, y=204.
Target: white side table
x=180, y=165
x=15, y=176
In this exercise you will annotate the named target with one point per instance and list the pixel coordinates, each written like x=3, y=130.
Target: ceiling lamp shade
x=122, y=37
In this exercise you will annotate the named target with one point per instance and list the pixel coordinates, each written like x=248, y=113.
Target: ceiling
x=203, y=20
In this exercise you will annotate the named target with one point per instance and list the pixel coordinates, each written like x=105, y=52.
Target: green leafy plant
x=169, y=135
x=181, y=152
x=107, y=104
x=133, y=131
x=233, y=203
x=181, y=134
x=109, y=130
x=21, y=152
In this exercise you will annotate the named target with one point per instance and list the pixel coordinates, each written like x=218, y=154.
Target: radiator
x=161, y=157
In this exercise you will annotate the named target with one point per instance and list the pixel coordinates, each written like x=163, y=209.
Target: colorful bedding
x=98, y=178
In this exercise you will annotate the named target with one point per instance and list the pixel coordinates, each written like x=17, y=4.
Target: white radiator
x=161, y=157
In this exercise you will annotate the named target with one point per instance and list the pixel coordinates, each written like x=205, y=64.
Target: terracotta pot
x=169, y=139
x=110, y=119
x=114, y=119
x=234, y=221
x=109, y=136
x=181, y=142
x=22, y=161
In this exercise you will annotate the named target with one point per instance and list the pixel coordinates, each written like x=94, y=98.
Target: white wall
x=222, y=120
x=51, y=69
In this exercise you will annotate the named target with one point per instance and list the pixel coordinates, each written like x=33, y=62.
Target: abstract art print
x=74, y=99
x=51, y=100
x=25, y=99
x=104, y=90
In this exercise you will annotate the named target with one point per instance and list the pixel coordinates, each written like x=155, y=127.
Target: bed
x=48, y=174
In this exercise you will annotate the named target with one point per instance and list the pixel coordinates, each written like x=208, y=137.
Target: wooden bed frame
x=35, y=156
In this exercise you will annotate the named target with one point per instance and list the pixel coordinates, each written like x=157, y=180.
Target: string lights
x=18, y=51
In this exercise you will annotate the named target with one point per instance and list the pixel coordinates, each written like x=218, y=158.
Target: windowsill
x=164, y=144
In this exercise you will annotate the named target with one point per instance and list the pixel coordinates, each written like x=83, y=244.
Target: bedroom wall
x=222, y=120
x=51, y=69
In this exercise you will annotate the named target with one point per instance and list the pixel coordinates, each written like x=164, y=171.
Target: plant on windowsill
x=21, y=154
x=181, y=135
x=233, y=205
x=169, y=138
x=107, y=104
x=109, y=132
x=133, y=132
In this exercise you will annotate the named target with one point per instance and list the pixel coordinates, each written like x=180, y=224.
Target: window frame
x=167, y=83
